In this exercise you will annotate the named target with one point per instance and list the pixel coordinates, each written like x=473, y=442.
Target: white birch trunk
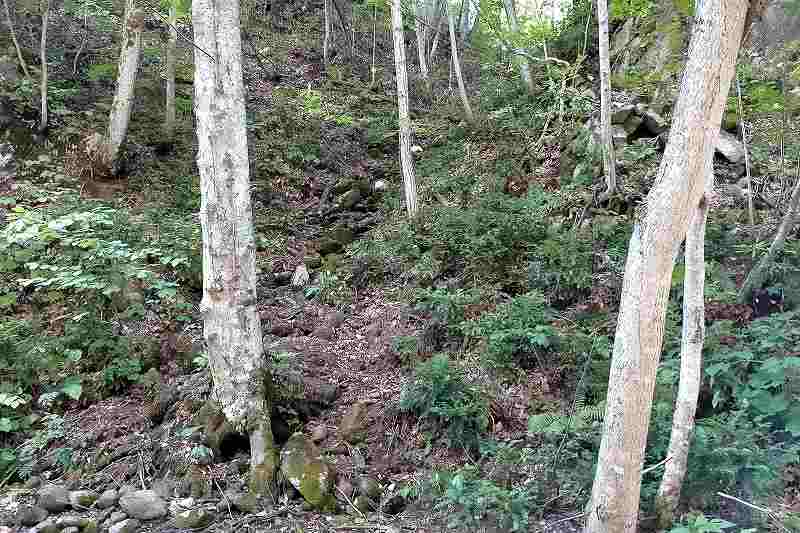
x=660, y=227
x=692, y=338
x=232, y=327
x=43, y=55
x=404, y=119
x=462, y=90
x=609, y=158
x=437, y=15
x=326, y=41
x=524, y=64
x=126, y=79
x=374, y=43
x=170, y=118
x=421, y=26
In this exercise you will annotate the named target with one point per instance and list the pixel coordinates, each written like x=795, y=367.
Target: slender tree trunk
x=232, y=327
x=326, y=42
x=421, y=25
x=660, y=226
x=609, y=157
x=43, y=55
x=756, y=276
x=751, y=217
x=126, y=79
x=692, y=338
x=524, y=64
x=404, y=119
x=436, y=36
x=462, y=90
x=172, y=42
x=14, y=40
x=374, y=42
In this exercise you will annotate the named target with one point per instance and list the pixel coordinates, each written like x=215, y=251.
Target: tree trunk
x=524, y=64
x=326, y=41
x=609, y=158
x=401, y=74
x=126, y=79
x=232, y=328
x=170, y=119
x=756, y=276
x=462, y=90
x=437, y=10
x=43, y=56
x=14, y=40
x=421, y=26
x=660, y=226
x=692, y=338
x=374, y=43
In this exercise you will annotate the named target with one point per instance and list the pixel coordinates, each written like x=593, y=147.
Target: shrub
x=440, y=394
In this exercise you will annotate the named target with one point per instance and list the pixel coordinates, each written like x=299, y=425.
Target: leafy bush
x=515, y=332
x=439, y=394
x=701, y=524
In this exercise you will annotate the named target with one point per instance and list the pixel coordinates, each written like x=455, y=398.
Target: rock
x=143, y=504
x=129, y=525
x=245, y=502
x=335, y=320
x=48, y=526
x=353, y=424
x=379, y=186
x=729, y=147
x=107, y=499
x=125, y=489
x=82, y=498
x=323, y=332
x=618, y=135
x=394, y=505
x=369, y=487
x=303, y=466
x=319, y=434
x=621, y=113
x=53, y=498
x=300, y=277
x=363, y=504
x=117, y=516
x=71, y=529
x=632, y=123
x=29, y=515
x=416, y=149
x=34, y=481
x=89, y=525
x=69, y=521
x=193, y=519
x=348, y=200
x=165, y=488
x=654, y=122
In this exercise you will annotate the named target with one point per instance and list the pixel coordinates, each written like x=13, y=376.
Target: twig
x=351, y=503
x=562, y=520
x=178, y=33
x=657, y=465
x=770, y=514
x=379, y=527
x=224, y=497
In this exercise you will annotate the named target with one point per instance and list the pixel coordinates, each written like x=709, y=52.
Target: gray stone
x=53, y=498
x=303, y=466
x=29, y=515
x=729, y=147
x=117, y=516
x=108, y=499
x=71, y=529
x=193, y=519
x=82, y=498
x=349, y=199
x=89, y=525
x=69, y=521
x=48, y=526
x=245, y=502
x=143, y=505
x=129, y=525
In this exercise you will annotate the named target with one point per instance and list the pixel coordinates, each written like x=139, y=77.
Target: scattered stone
x=245, y=502
x=117, y=516
x=353, y=425
x=69, y=521
x=323, y=332
x=48, y=526
x=319, y=434
x=124, y=489
x=369, y=487
x=108, y=499
x=729, y=147
x=143, y=504
x=29, y=515
x=53, y=498
x=193, y=519
x=82, y=498
x=303, y=466
x=71, y=529
x=178, y=506
x=164, y=488
x=128, y=525
x=300, y=277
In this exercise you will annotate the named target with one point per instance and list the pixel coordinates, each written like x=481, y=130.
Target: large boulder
x=303, y=465
x=53, y=498
x=143, y=505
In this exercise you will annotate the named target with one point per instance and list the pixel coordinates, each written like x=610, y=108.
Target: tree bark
x=609, y=158
x=401, y=74
x=692, y=338
x=14, y=40
x=327, y=23
x=462, y=90
x=43, y=55
x=232, y=327
x=660, y=226
x=126, y=79
x=170, y=119
x=437, y=10
x=756, y=275
x=524, y=64
x=421, y=27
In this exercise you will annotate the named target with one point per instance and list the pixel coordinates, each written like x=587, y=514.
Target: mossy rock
x=303, y=466
x=348, y=200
